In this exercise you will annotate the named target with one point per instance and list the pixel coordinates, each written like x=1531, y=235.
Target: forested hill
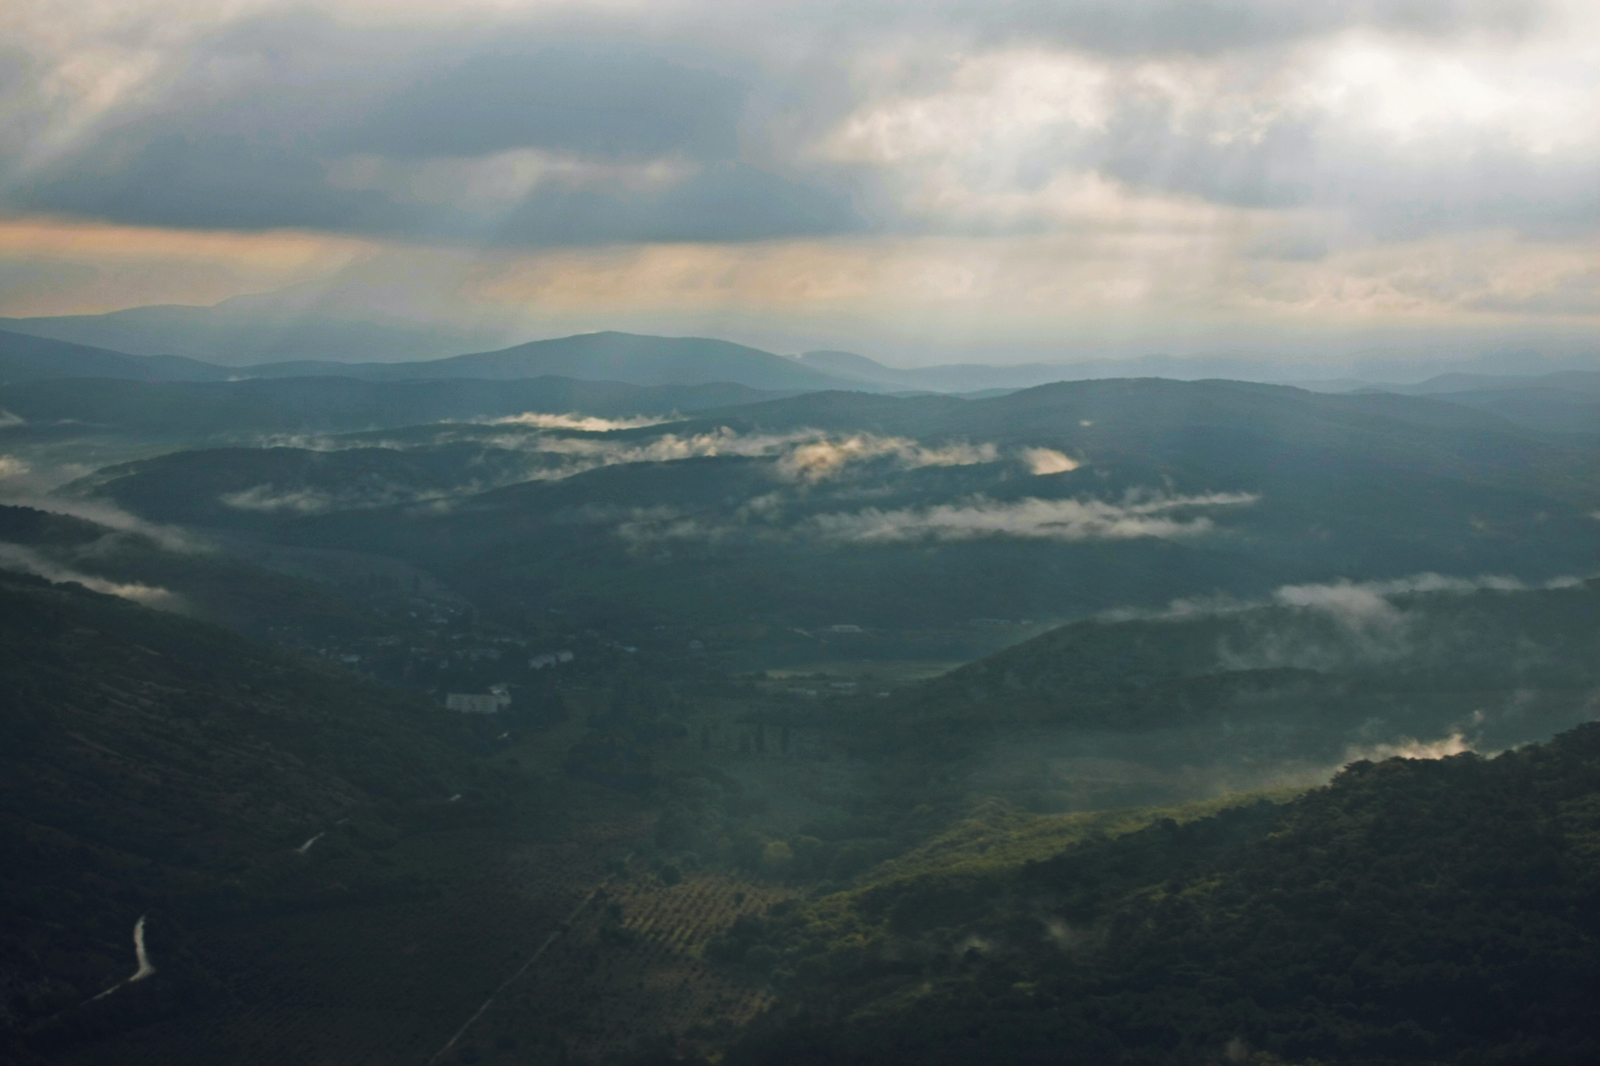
x=153, y=764
x=193, y=411
x=1334, y=659
x=1410, y=912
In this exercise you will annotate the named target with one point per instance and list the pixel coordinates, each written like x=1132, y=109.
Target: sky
x=917, y=181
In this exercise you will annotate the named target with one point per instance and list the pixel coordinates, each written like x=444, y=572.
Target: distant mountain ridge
x=228, y=409
x=27, y=358
x=1427, y=377
x=251, y=330
x=631, y=359
x=608, y=356
x=1562, y=401
x=1581, y=381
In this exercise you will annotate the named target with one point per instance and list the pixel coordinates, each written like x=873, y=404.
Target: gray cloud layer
x=280, y=121
x=702, y=123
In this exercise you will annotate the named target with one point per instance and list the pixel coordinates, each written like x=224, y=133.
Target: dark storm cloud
x=252, y=131
x=216, y=181
x=315, y=83
x=727, y=202
x=254, y=151
x=155, y=177
x=605, y=100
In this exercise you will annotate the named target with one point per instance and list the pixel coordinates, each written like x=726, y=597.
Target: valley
x=533, y=719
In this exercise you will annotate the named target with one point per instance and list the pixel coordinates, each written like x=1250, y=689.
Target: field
x=630, y=977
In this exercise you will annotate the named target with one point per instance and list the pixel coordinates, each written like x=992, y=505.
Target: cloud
x=1344, y=600
x=1332, y=594
x=1397, y=135
x=608, y=99
x=805, y=455
x=937, y=175
x=1340, y=624
x=1048, y=461
x=1165, y=26
x=1409, y=748
x=1360, y=609
x=1087, y=519
x=1345, y=622
x=824, y=458
x=1571, y=293
x=21, y=486
x=17, y=557
x=270, y=498
x=725, y=202
x=21, y=477
x=1148, y=514
x=1288, y=248
x=545, y=447
x=585, y=423
x=315, y=119
x=533, y=136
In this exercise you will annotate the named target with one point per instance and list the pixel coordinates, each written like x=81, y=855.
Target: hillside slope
x=150, y=764
x=190, y=577
x=1049, y=503
x=1410, y=912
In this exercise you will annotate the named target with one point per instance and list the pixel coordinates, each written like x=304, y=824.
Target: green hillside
x=1410, y=912
x=1384, y=486
x=1194, y=666
x=1269, y=434
x=1179, y=490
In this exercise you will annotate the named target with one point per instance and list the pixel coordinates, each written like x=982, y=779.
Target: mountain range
x=297, y=331
x=1566, y=401
x=893, y=513
x=264, y=328
x=731, y=709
